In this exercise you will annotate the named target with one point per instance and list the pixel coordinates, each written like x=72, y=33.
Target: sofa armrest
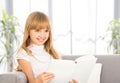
x=13, y=77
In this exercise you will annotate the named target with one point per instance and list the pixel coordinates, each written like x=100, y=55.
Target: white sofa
x=110, y=70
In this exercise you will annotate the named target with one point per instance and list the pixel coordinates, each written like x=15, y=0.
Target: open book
x=79, y=69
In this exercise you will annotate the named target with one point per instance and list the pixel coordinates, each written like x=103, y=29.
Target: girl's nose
x=42, y=34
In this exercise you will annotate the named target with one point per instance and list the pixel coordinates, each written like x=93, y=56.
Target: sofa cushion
x=13, y=77
x=110, y=68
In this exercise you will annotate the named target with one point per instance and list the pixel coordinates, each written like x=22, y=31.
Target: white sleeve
x=20, y=55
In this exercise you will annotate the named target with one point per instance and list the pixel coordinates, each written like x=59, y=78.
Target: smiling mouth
x=40, y=40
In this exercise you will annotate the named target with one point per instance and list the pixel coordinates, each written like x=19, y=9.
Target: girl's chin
x=40, y=43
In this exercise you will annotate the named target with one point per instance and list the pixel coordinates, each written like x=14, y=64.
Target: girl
x=37, y=49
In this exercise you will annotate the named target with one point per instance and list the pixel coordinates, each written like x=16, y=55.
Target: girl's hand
x=73, y=81
x=44, y=77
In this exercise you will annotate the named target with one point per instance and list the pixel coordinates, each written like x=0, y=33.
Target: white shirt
x=39, y=61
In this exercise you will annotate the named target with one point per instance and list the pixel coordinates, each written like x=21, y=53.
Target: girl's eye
x=37, y=30
x=46, y=30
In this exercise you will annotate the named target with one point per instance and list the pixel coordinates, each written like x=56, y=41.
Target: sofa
x=110, y=72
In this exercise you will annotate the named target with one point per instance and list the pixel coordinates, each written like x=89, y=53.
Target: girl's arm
x=73, y=81
x=44, y=77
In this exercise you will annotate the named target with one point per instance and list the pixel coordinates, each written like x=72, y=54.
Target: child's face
x=39, y=36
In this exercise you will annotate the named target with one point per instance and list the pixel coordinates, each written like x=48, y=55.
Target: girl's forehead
x=40, y=25
x=40, y=28
x=44, y=27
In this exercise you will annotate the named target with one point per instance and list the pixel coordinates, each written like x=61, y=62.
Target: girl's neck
x=35, y=45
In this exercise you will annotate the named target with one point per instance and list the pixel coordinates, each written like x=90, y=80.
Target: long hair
x=38, y=20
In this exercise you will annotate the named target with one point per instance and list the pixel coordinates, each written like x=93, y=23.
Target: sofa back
x=110, y=67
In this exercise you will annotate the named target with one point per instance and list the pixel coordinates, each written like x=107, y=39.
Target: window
x=78, y=25
x=2, y=6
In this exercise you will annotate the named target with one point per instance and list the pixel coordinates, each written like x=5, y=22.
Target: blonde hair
x=38, y=20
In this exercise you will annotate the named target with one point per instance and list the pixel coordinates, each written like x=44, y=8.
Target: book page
x=83, y=68
x=63, y=70
x=96, y=74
